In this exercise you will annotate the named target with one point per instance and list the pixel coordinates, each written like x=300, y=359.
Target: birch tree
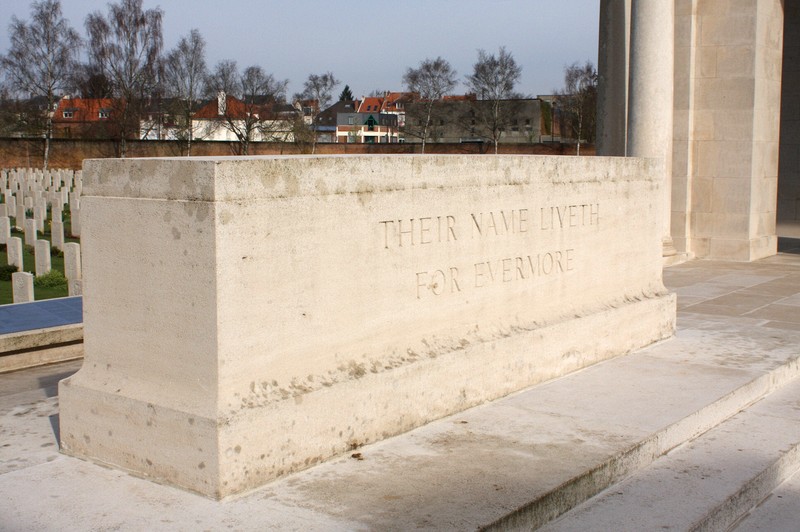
x=41, y=59
x=431, y=80
x=493, y=80
x=319, y=89
x=125, y=47
x=184, y=75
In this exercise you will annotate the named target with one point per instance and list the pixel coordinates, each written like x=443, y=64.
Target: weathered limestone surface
x=263, y=314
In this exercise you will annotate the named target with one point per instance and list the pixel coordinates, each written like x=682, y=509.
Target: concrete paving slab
x=584, y=430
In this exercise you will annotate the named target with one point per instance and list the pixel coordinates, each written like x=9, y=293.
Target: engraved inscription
x=515, y=223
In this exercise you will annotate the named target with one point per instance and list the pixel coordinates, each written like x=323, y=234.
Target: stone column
x=650, y=91
x=612, y=69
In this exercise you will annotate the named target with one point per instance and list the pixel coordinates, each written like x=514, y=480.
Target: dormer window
x=68, y=114
x=103, y=113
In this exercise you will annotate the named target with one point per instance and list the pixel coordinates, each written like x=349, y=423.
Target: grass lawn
x=29, y=265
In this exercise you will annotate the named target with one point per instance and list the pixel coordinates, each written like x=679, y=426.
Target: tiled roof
x=83, y=110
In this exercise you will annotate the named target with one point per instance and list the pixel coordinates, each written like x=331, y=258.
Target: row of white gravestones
x=22, y=282
x=24, y=190
x=40, y=192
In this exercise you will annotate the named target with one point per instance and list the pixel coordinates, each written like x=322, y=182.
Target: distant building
x=85, y=118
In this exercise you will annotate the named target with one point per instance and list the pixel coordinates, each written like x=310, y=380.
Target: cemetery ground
x=48, y=290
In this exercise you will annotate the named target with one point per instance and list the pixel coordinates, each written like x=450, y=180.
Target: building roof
x=83, y=110
x=370, y=104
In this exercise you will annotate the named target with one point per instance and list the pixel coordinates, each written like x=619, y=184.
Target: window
x=68, y=114
x=351, y=120
x=103, y=113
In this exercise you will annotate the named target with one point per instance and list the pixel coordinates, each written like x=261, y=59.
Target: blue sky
x=369, y=45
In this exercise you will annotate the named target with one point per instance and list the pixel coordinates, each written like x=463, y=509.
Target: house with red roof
x=85, y=118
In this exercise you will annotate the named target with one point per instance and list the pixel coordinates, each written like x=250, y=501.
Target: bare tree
x=318, y=88
x=125, y=47
x=433, y=79
x=184, y=74
x=578, y=101
x=493, y=80
x=41, y=58
x=246, y=101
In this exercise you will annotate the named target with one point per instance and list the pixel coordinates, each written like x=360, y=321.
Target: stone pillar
x=42, y=257
x=14, y=250
x=612, y=69
x=650, y=92
x=22, y=287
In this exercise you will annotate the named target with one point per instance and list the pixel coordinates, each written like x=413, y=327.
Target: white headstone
x=75, y=223
x=56, y=234
x=3, y=209
x=42, y=256
x=14, y=250
x=5, y=229
x=30, y=232
x=72, y=261
x=22, y=287
x=75, y=287
x=19, y=216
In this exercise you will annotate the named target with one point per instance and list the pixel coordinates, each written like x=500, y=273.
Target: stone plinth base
x=246, y=318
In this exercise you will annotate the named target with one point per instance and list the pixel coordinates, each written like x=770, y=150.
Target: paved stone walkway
x=738, y=324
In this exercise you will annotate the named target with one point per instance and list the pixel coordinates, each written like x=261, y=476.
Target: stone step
x=779, y=511
x=708, y=483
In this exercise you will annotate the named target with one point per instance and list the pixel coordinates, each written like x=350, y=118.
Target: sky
x=369, y=45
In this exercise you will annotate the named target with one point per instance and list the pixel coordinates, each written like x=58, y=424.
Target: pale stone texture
x=5, y=229
x=264, y=314
x=14, y=250
x=30, y=232
x=612, y=69
x=72, y=261
x=57, y=234
x=727, y=100
x=42, y=257
x=22, y=287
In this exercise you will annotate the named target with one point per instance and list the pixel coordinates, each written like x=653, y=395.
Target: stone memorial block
x=57, y=234
x=14, y=252
x=72, y=261
x=5, y=229
x=22, y=287
x=266, y=313
x=42, y=257
x=30, y=232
